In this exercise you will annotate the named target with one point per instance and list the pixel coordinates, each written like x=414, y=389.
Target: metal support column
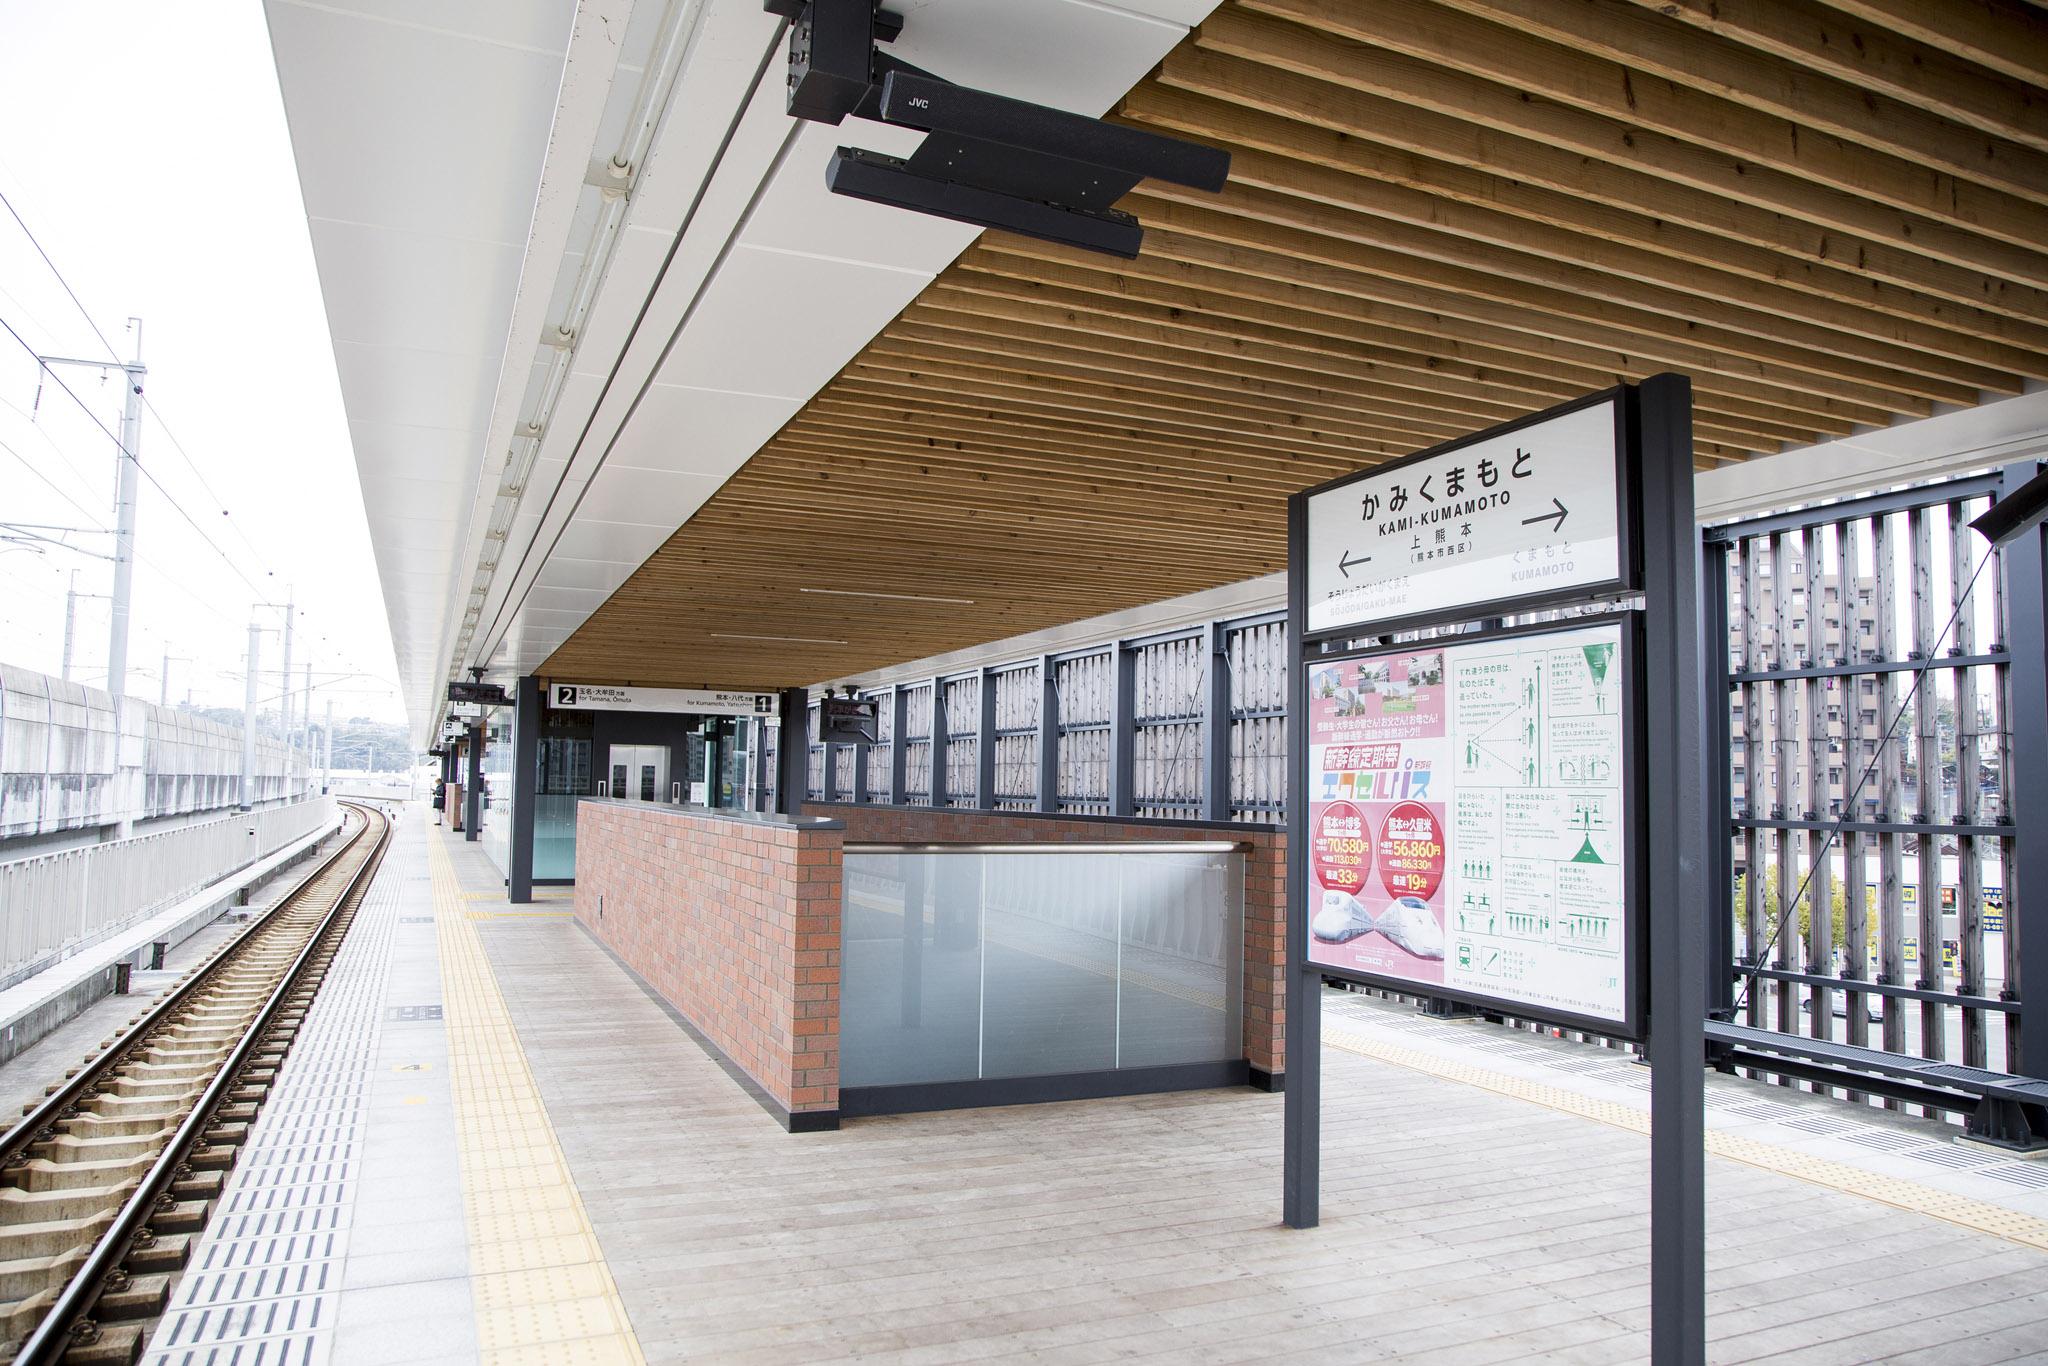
x=1720, y=953
x=473, y=790
x=2026, y=637
x=525, y=788
x=937, y=786
x=1301, y=1180
x=899, y=712
x=985, y=744
x=1216, y=725
x=1675, y=847
x=793, y=752
x=1123, y=730
x=1048, y=735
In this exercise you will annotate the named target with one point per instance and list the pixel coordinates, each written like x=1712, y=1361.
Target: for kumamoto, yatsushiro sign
x=1531, y=512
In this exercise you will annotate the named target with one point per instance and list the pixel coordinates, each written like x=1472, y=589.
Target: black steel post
x=1675, y=849
x=1301, y=1181
x=1048, y=735
x=1216, y=725
x=525, y=788
x=757, y=755
x=937, y=787
x=793, y=752
x=2026, y=637
x=985, y=744
x=899, y=712
x=1720, y=781
x=473, y=790
x=1123, y=730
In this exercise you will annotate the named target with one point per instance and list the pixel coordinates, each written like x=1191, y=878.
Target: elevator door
x=639, y=773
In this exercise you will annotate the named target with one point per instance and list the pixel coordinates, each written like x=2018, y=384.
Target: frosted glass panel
x=965, y=965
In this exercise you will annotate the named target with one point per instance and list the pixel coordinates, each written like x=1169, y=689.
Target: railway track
x=107, y=1180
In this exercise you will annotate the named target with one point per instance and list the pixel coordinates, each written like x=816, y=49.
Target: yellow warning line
x=1820, y=1171
x=542, y=1291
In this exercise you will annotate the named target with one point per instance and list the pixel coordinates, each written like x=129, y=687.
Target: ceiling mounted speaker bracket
x=987, y=159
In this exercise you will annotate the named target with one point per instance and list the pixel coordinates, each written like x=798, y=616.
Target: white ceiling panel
x=698, y=431
x=748, y=335
x=623, y=494
x=626, y=543
x=413, y=289
x=416, y=388
x=604, y=576
x=417, y=128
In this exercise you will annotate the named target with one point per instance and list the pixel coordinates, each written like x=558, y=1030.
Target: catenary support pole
x=129, y=486
x=284, y=705
x=1675, y=847
x=525, y=786
x=249, y=717
x=70, y=621
x=327, y=751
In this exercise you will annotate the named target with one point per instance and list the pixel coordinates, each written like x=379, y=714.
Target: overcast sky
x=144, y=144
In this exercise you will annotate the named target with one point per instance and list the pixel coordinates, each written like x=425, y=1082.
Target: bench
x=2003, y=1109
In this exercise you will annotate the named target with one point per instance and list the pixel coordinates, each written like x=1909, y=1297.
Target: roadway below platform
x=1484, y=1195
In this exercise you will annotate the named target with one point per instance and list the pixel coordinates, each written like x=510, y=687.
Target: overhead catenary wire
x=156, y=483
x=149, y=406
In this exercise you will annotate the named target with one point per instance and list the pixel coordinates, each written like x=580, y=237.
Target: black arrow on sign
x=1556, y=517
x=1345, y=561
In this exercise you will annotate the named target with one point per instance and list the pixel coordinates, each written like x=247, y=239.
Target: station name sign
x=702, y=701
x=1520, y=515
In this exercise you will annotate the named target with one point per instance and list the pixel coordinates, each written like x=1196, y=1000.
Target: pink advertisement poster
x=1376, y=836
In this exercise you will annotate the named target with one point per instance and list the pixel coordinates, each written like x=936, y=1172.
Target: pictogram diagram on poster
x=1466, y=818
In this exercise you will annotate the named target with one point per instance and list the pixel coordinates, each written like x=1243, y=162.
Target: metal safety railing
x=1868, y=781
x=58, y=902
x=1188, y=724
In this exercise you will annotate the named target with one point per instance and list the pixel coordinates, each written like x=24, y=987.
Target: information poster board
x=1468, y=818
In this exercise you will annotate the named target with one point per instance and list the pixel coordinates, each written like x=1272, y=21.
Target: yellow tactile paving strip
x=542, y=1291
x=1820, y=1171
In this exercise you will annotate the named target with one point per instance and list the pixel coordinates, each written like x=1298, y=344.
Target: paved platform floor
x=490, y=1145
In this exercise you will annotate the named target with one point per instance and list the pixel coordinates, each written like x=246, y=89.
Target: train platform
x=489, y=1143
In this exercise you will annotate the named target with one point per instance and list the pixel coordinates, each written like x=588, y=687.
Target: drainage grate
x=2019, y=1174
x=1953, y=1157
x=1822, y=1124
x=1891, y=1143
x=1765, y=1109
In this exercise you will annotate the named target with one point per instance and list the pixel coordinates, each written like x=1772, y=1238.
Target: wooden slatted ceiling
x=1442, y=214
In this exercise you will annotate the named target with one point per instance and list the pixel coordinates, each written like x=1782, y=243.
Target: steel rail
x=53, y=1336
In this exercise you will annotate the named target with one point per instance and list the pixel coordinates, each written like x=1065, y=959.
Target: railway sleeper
x=161, y=1254
x=42, y=1242
x=40, y=1175
x=74, y=1147
x=114, y=1344
x=200, y=1185
x=133, y=1297
x=214, y=1157
x=180, y=1217
x=19, y=1207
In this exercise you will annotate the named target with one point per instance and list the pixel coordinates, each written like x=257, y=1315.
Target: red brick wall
x=735, y=923
x=1265, y=892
